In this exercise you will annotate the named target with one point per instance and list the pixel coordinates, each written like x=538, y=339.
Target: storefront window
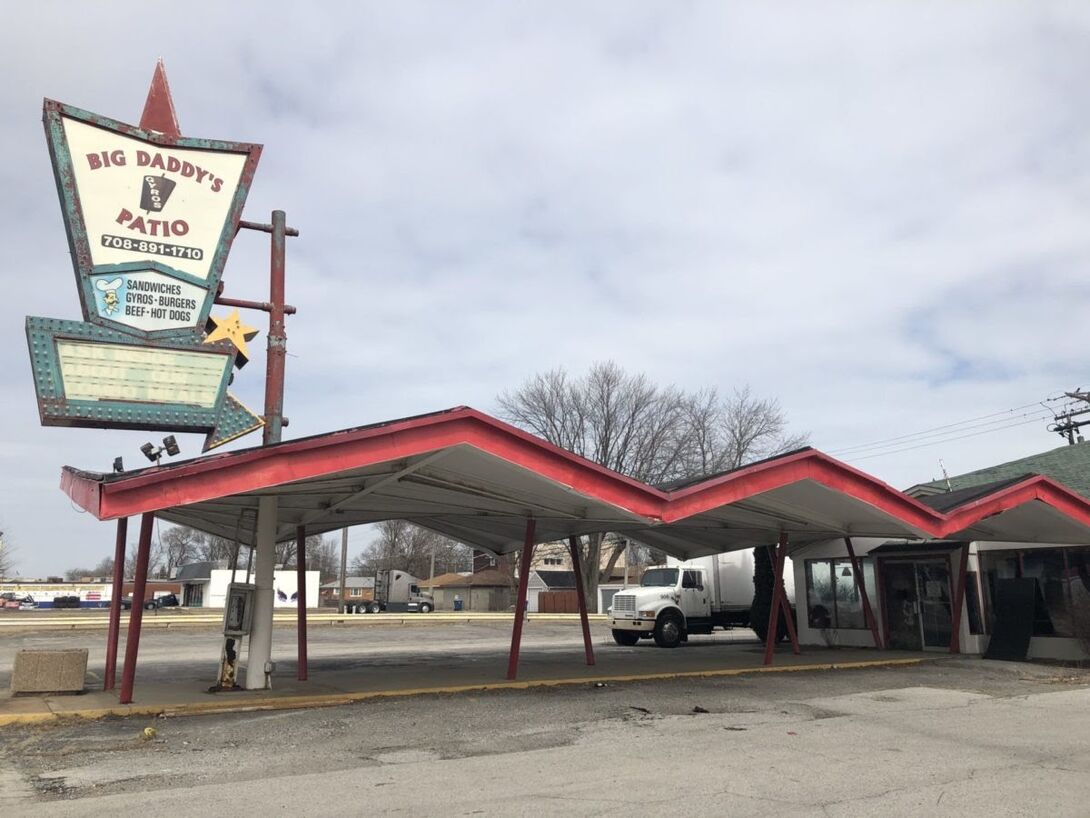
x=820, y=602
x=1063, y=584
x=1046, y=565
x=1078, y=590
x=972, y=604
x=832, y=596
x=849, y=603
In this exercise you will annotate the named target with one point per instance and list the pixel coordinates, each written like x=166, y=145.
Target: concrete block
x=49, y=671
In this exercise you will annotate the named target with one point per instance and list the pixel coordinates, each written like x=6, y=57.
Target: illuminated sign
x=150, y=218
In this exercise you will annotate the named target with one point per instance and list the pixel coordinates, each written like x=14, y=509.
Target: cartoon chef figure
x=110, y=300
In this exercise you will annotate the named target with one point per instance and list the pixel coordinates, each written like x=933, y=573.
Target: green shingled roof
x=1069, y=465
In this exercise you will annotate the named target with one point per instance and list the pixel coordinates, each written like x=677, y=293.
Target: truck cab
x=399, y=592
x=670, y=603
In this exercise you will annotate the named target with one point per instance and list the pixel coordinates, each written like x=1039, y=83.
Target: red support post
x=573, y=545
x=277, y=340
x=136, y=615
x=861, y=586
x=520, y=603
x=113, y=631
x=779, y=554
x=301, y=597
x=959, y=601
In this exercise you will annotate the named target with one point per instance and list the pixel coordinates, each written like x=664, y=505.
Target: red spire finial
x=159, y=109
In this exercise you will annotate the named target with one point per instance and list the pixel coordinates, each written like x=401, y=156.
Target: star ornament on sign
x=231, y=329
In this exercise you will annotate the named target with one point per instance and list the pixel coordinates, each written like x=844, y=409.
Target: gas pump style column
x=260, y=647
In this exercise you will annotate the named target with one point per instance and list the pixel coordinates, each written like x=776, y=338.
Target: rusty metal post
x=113, y=631
x=277, y=340
x=861, y=586
x=959, y=601
x=136, y=615
x=573, y=545
x=520, y=603
x=779, y=553
x=301, y=591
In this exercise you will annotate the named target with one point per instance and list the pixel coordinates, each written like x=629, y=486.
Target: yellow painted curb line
x=227, y=705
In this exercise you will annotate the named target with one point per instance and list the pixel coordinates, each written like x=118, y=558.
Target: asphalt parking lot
x=949, y=737
x=427, y=644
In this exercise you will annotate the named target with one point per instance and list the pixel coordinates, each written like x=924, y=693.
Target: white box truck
x=675, y=600
x=399, y=592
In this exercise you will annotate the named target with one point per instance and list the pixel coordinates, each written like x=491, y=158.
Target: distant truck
x=399, y=592
x=683, y=598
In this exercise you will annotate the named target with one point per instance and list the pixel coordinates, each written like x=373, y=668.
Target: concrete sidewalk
x=331, y=686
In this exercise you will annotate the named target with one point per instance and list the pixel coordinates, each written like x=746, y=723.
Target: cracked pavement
x=954, y=737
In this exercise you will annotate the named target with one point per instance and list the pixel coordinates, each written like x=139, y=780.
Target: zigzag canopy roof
x=474, y=478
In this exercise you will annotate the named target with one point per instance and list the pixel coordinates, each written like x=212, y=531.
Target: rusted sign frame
x=227, y=420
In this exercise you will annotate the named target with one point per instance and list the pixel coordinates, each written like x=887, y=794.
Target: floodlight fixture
x=171, y=445
x=150, y=452
x=119, y=465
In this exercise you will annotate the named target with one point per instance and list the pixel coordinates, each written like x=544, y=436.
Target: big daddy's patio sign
x=150, y=217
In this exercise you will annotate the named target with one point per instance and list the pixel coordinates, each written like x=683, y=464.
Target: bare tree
x=156, y=562
x=409, y=547
x=656, y=434
x=322, y=556
x=214, y=549
x=104, y=568
x=7, y=556
x=179, y=545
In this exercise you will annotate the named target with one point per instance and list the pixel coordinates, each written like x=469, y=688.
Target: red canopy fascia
x=285, y=465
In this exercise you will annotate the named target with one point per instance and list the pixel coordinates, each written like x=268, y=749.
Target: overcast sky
x=877, y=213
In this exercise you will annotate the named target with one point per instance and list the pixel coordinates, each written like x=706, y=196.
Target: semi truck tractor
x=399, y=592
x=675, y=600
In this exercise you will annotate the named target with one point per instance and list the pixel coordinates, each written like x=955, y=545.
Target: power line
x=950, y=429
x=945, y=440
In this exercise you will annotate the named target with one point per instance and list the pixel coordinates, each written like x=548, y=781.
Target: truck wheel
x=626, y=638
x=668, y=631
x=374, y=607
x=425, y=608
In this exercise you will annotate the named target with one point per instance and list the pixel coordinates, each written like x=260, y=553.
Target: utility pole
x=1064, y=423
x=344, y=568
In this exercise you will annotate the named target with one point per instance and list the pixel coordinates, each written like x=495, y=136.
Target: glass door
x=902, y=605
x=933, y=592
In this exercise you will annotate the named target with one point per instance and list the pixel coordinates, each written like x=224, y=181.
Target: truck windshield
x=659, y=577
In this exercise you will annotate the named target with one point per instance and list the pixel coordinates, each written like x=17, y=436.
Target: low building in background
x=357, y=590
x=93, y=593
x=486, y=590
x=204, y=585
x=551, y=591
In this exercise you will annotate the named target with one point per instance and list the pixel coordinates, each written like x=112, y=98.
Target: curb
x=337, y=699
